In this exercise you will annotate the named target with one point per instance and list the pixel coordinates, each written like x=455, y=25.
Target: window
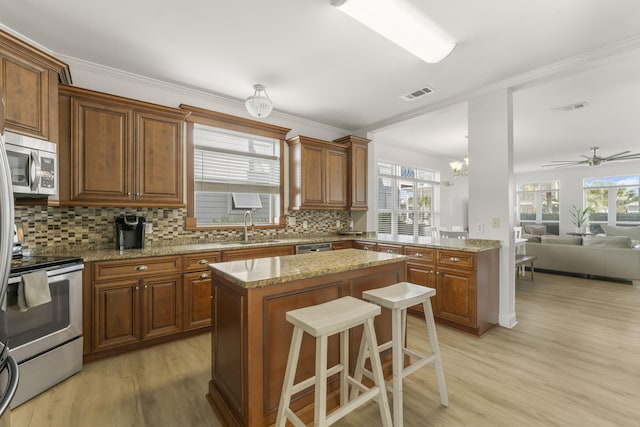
x=540, y=203
x=406, y=200
x=614, y=201
x=234, y=165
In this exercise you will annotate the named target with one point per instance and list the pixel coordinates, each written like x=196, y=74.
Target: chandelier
x=259, y=105
x=460, y=168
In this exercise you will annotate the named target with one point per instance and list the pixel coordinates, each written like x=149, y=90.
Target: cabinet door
x=26, y=89
x=247, y=254
x=116, y=314
x=336, y=179
x=197, y=300
x=456, y=296
x=158, y=159
x=359, y=159
x=101, y=145
x=161, y=306
x=424, y=275
x=313, y=182
x=365, y=246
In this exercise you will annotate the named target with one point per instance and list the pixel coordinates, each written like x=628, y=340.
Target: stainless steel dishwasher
x=312, y=247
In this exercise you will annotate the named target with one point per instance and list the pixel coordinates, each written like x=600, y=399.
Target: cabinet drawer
x=365, y=246
x=390, y=249
x=466, y=260
x=199, y=262
x=421, y=255
x=134, y=268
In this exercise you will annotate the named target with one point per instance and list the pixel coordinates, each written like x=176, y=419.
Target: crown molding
x=529, y=79
x=207, y=97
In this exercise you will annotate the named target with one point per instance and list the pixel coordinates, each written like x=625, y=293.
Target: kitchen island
x=250, y=337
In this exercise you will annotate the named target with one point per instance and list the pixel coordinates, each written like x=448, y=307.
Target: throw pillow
x=536, y=229
x=614, y=230
x=609, y=241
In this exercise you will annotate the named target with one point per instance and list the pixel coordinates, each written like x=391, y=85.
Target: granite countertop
x=88, y=253
x=257, y=273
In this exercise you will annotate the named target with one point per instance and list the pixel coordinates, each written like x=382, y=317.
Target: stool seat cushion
x=399, y=295
x=332, y=317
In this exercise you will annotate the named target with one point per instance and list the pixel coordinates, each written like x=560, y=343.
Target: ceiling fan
x=594, y=160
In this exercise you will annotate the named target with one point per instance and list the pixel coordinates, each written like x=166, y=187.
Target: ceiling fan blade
x=625, y=157
x=615, y=155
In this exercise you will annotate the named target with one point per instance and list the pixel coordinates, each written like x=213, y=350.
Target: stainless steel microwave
x=33, y=165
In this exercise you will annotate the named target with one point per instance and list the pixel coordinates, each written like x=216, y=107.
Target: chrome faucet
x=246, y=232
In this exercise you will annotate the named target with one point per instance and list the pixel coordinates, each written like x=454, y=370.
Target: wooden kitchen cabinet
x=119, y=152
x=29, y=79
x=421, y=270
x=135, y=300
x=317, y=174
x=197, y=289
x=357, y=177
x=364, y=245
x=467, y=289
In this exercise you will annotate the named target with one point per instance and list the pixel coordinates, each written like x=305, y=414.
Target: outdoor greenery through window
x=235, y=172
x=539, y=203
x=406, y=200
x=613, y=200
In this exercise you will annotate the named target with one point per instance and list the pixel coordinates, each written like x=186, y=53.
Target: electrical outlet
x=148, y=228
x=304, y=224
x=338, y=223
x=292, y=221
x=479, y=227
x=495, y=223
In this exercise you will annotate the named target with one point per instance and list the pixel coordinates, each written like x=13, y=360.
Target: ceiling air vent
x=576, y=106
x=417, y=93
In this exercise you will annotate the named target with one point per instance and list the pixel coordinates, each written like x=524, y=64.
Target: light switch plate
x=304, y=224
x=292, y=221
x=338, y=223
x=495, y=223
x=148, y=228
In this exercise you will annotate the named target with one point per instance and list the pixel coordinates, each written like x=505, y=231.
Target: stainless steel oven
x=46, y=340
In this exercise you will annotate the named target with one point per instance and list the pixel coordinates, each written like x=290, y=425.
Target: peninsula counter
x=250, y=335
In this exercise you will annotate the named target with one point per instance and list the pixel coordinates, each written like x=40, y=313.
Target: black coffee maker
x=130, y=232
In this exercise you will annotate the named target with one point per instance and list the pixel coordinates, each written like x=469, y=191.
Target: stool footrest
x=312, y=380
x=352, y=405
x=295, y=420
x=423, y=361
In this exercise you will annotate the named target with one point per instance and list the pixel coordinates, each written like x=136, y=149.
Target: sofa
x=614, y=254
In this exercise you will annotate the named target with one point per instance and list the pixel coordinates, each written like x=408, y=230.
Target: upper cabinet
x=328, y=175
x=29, y=79
x=317, y=174
x=358, y=149
x=117, y=151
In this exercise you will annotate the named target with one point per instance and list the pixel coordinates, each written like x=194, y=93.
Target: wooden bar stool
x=398, y=298
x=322, y=321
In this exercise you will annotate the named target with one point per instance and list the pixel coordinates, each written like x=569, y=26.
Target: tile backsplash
x=47, y=227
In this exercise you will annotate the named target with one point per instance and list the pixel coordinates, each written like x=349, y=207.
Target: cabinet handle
x=141, y=268
x=454, y=259
x=137, y=194
x=137, y=288
x=129, y=193
x=204, y=276
x=366, y=248
x=203, y=261
x=389, y=251
x=146, y=286
x=418, y=254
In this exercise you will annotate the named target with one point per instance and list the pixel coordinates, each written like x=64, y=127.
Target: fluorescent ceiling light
x=400, y=23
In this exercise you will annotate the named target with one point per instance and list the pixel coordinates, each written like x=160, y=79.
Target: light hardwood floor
x=573, y=359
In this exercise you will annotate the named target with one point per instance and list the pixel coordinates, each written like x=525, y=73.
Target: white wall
x=453, y=198
x=571, y=182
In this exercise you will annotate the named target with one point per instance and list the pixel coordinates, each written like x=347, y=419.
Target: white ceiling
x=319, y=64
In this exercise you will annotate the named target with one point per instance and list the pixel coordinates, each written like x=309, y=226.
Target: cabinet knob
x=454, y=259
x=137, y=288
x=203, y=261
x=129, y=193
x=141, y=268
x=389, y=251
x=366, y=248
x=418, y=254
x=146, y=286
x=204, y=276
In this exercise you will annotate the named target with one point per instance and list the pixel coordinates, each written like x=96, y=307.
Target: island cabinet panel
x=251, y=338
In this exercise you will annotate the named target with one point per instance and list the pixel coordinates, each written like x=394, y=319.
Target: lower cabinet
x=197, y=300
x=130, y=311
x=456, y=296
